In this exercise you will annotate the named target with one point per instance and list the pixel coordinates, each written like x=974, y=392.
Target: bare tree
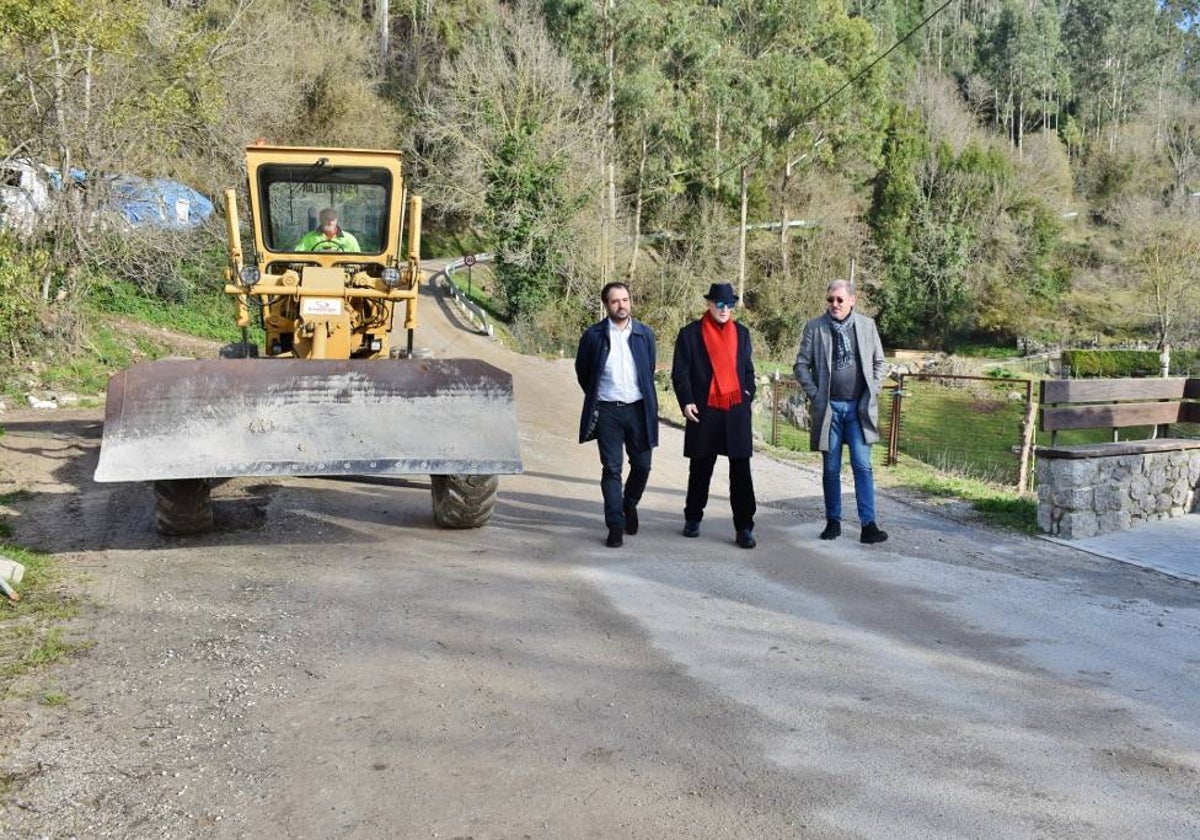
x=1167, y=269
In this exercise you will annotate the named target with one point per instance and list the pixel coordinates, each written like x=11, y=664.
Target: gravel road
x=328, y=664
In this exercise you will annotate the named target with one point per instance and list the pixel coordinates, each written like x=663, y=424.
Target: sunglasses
x=835, y=300
x=724, y=304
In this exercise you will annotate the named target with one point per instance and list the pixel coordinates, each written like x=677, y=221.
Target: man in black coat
x=713, y=377
x=615, y=368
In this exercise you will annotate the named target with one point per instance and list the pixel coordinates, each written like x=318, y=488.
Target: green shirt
x=316, y=240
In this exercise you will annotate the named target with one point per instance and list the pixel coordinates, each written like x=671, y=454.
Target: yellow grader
x=327, y=393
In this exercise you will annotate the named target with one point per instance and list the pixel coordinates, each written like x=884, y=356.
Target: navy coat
x=691, y=375
x=590, y=359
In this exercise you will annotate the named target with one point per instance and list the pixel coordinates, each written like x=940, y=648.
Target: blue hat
x=722, y=292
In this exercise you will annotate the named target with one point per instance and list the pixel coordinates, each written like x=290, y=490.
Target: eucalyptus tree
x=1184, y=18
x=818, y=119
x=1115, y=48
x=616, y=45
x=1024, y=58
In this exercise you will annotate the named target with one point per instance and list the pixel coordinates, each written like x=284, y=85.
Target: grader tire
x=184, y=506
x=464, y=501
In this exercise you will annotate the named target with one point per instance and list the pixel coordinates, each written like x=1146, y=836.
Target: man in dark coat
x=713, y=376
x=615, y=368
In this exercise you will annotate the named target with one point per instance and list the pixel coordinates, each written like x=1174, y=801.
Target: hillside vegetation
x=1016, y=172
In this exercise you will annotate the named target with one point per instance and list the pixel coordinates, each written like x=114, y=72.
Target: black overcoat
x=730, y=432
x=590, y=358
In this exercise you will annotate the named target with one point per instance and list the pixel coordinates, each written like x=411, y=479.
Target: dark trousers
x=741, y=491
x=622, y=427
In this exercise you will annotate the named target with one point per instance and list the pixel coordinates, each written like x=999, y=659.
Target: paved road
x=334, y=666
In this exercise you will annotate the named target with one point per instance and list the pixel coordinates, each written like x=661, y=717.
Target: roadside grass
x=997, y=505
x=106, y=347
x=208, y=313
x=978, y=350
x=475, y=284
x=87, y=373
x=33, y=631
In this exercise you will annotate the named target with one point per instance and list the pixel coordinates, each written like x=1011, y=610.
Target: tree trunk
x=382, y=20
x=637, y=211
x=784, y=256
x=610, y=142
x=717, y=145
x=742, y=232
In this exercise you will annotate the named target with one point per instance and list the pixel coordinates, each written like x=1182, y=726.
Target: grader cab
x=331, y=279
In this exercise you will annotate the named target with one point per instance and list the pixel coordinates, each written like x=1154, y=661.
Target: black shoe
x=631, y=520
x=615, y=540
x=745, y=539
x=833, y=530
x=872, y=534
x=691, y=528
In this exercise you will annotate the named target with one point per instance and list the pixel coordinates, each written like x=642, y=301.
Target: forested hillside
x=1007, y=171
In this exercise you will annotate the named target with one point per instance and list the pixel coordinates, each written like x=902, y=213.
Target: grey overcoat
x=814, y=364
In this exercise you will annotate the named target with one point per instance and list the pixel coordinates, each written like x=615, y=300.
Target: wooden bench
x=1091, y=488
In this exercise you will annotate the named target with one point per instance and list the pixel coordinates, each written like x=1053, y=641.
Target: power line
x=878, y=59
x=813, y=110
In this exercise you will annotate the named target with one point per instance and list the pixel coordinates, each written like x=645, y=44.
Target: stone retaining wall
x=1087, y=496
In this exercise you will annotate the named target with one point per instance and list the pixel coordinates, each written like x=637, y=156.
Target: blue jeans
x=622, y=428
x=845, y=428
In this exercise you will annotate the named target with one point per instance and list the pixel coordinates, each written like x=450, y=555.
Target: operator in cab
x=328, y=236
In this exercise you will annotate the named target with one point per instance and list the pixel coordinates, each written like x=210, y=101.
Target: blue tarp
x=159, y=203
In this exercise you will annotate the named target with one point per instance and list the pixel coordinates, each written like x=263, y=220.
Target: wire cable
x=813, y=110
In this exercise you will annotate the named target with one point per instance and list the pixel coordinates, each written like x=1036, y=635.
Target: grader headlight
x=391, y=277
x=249, y=275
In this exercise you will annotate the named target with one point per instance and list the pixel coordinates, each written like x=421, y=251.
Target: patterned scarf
x=721, y=342
x=843, y=344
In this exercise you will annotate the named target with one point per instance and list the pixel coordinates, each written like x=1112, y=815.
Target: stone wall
x=1082, y=497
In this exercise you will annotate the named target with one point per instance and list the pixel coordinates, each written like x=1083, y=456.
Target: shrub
x=1086, y=364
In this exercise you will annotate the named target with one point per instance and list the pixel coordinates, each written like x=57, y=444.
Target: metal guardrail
x=469, y=308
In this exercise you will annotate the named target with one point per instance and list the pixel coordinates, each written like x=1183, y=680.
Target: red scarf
x=721, y=342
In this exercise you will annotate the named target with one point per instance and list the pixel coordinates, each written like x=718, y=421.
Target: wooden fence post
x=894, y=426
x=1027, y=437
x=775, y=410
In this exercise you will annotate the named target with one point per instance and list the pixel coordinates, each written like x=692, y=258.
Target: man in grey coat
x=840, y=366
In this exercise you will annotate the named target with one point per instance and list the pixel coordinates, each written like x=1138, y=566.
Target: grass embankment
x=33, y=633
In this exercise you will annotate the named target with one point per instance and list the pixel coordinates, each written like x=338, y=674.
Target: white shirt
x=618, y=380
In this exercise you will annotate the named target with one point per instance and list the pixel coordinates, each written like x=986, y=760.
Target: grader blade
x=179, y=419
